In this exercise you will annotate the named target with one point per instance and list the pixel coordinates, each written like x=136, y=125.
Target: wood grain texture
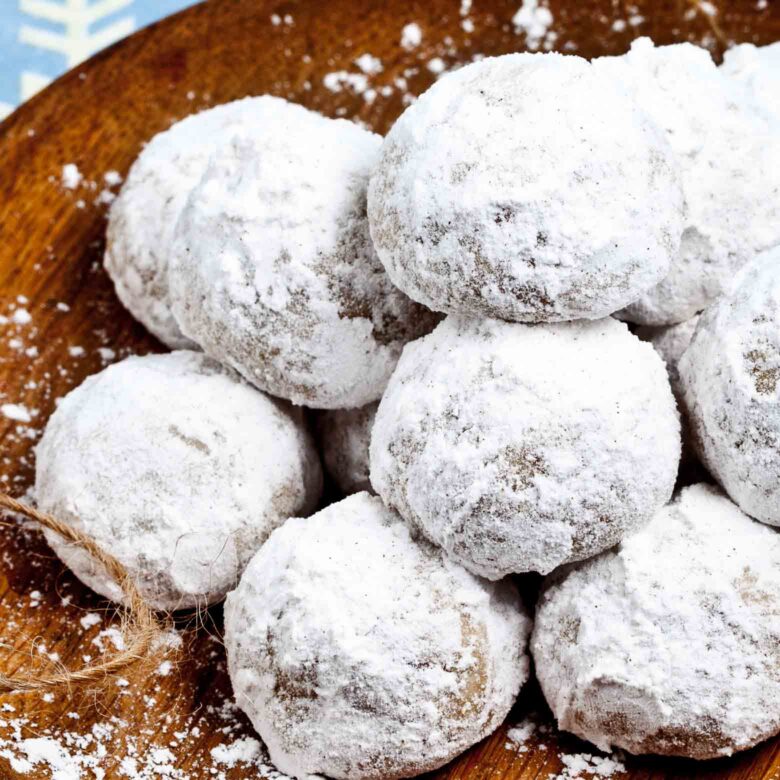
x=51, y=243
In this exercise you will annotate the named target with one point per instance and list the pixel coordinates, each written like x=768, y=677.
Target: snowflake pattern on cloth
x=41, y=40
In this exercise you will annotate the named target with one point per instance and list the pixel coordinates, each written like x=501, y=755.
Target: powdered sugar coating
x=179, y=469
x=670, y=341
x=344, y=438
x=358, y=651
x=730, y=375
x=670, y=643
x=142, y=218
x=757, y=68
x=730, y=164
x=273, y=271
x=525, y=187
x=519, y=448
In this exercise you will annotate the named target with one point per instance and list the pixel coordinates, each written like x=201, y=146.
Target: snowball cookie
x=730, y=163
x=358, y=651
x=758, y=69
x=344, y=436
x=730, y=375
x=669, y=643
x=179, y=469
x=142, y=218
x=273, y=271
x=519, y=448
x=525, y=187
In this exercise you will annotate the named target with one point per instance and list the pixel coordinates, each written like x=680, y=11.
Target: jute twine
x=140, y=627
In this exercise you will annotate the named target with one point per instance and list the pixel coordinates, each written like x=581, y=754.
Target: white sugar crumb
x=16, y=412
x=518, y=736
x=585, y=765
x=76, y=351
x=112, y=635
x=165, y=668
x=47, y=751
x=534, y=19
x=339, y=80
x=71, y=176
x=411, y=36
x=369, y=64
x=242, y=750
x=21, y=317
x=90, y=619
x=436, y=65
x=112, y=178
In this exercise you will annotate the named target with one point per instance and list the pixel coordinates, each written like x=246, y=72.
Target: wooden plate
x=51, y=243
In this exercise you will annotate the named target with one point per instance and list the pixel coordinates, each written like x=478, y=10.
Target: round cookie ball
x=757, y=68
x=344, y=437
x=273, y=271
x=142, y=218
x=521, y=447
x=526, y=187
x=176, y=467
x=360, y=652
x=730, y=163
x=730, y=377
x=669, y=643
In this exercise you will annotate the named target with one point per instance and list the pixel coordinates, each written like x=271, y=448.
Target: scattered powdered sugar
x=512, y=470
x=16, y=412
x=518, y=735
x=71, y=176
x=179, y=468
x=338, y=80
x=90, y=619
x=730, y=376
x=668, y=643
x=459, y=227
x=403, y=647
x=244, y=750
x=436, y=65
x=369, y=64
x=411, y=36
x=534, y=20
x=59, y=754
x=35, y=751
x=586, y=765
